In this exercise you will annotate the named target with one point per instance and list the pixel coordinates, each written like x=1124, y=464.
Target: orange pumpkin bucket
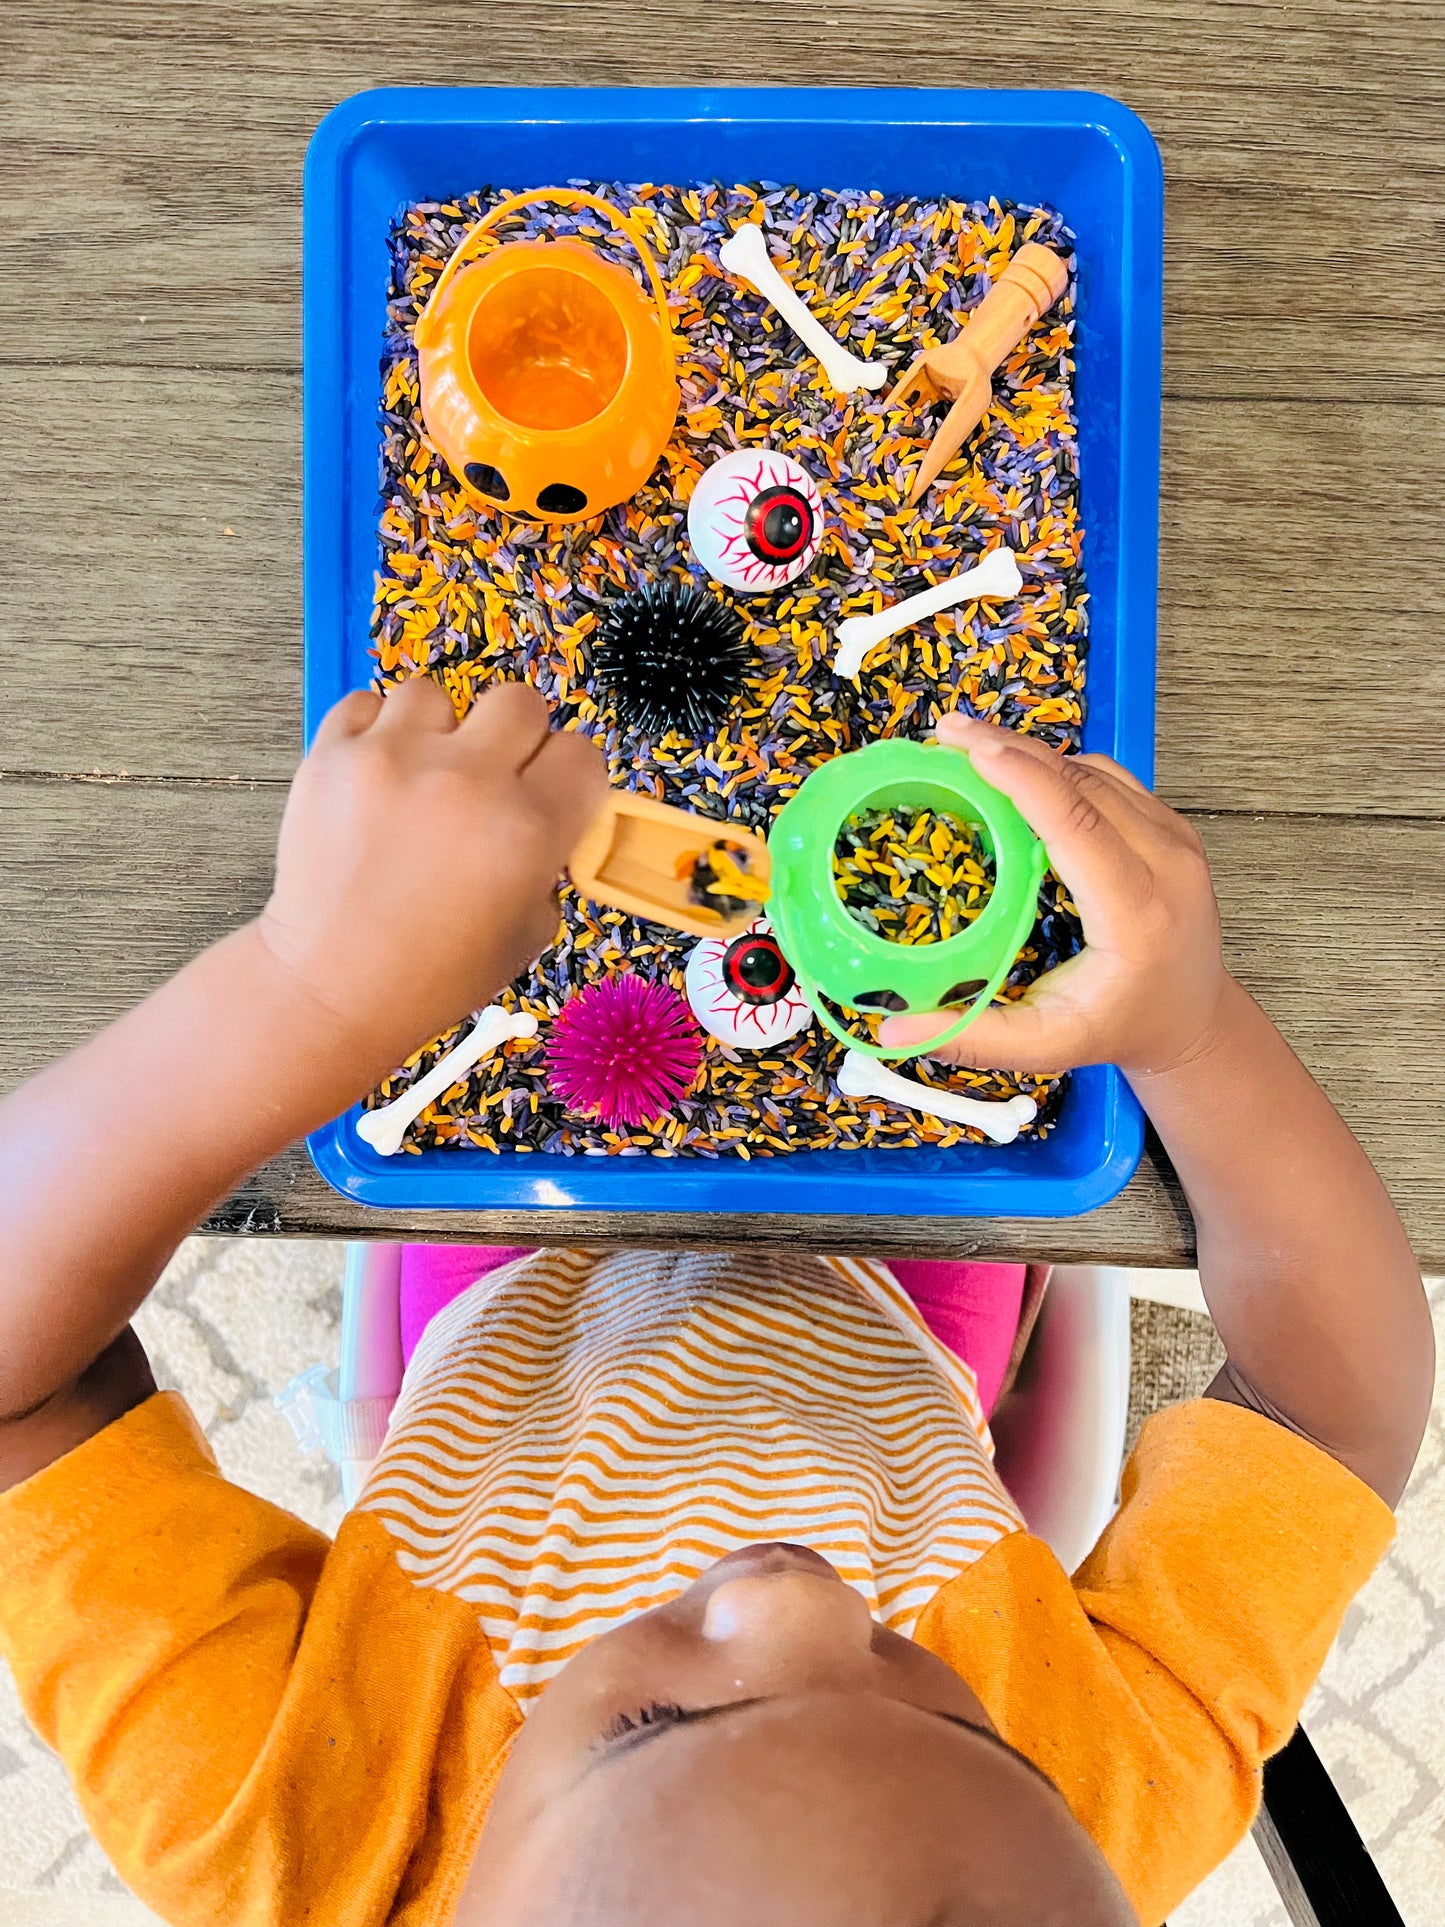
x=548, y=380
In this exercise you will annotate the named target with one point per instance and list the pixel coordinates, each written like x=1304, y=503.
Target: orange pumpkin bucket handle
x=561, y=197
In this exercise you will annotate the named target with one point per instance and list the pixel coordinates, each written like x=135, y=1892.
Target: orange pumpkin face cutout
x=548, y=380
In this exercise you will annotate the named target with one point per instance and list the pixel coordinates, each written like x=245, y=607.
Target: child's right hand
x=419, y=855
x=1145, y=991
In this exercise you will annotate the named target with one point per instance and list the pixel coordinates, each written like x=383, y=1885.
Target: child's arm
x=1303, y=1261
x=414, y=878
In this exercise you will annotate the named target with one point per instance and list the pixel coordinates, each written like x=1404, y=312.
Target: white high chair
x=1059, y=1432
x=344, y=1411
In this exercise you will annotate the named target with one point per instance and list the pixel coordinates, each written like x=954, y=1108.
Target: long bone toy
x=997, y=575
x=1002, y=1121
x=384, y=1130
x=745, y=254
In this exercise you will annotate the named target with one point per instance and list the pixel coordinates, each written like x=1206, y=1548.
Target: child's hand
x=419, y=856
x=1145, y=991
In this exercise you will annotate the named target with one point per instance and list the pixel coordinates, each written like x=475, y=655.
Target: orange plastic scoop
x=689, y=872
x=962, y=370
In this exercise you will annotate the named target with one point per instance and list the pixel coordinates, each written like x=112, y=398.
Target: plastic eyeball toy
x=755, y=520
x=743, y=989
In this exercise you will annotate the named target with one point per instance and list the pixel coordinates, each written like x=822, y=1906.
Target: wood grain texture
x=154, y=149
x=1337, y=926
x=150, y=591
x=1299, y=710
x=139, y=636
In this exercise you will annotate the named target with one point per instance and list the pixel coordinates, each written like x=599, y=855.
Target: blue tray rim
x=542, y=1183
x=692, y=1185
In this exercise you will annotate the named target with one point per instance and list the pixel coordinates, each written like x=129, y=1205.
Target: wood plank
x=1178, y=50
x=1294, y=710
x=139, y=636
x=150, y=594
x=1338, y=926
x=1304, y=165
x=1266, y=506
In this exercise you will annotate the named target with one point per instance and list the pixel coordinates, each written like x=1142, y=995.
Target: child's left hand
x=419, y=856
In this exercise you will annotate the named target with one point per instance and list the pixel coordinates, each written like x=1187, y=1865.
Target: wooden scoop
x=639, y=855
x=962, y=370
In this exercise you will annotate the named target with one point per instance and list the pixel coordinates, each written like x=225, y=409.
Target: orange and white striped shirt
x=577, y=1438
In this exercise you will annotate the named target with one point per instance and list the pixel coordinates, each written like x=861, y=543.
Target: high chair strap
x=344, y=1428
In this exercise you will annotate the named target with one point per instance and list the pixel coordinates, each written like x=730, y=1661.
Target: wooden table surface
x=150, y=571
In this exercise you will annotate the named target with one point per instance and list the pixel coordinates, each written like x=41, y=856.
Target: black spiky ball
x=672, y=657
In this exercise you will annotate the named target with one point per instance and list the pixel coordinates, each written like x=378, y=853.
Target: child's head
x=762, y=1750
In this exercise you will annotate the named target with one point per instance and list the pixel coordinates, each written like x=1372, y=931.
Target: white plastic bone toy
x=997, y=576
x=1002, y=1120
x=384, y=1130
x=745, y=253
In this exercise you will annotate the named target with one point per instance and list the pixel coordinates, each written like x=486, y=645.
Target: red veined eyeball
x=755, y=520
x=743, y=989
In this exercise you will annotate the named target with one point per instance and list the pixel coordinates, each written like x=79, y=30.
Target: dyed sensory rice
x=912, y=876
x=471, y=597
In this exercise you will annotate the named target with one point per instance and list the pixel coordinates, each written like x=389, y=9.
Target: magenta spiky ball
x=623, y=1051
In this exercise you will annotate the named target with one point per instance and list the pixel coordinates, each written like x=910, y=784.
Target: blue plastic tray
x=1083, y=153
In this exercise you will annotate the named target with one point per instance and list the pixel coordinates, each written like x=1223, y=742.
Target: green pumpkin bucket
x=837, y=960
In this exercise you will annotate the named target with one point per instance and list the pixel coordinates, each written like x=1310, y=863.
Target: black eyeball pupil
x=760, y=966
x=757, y=971
x=782, y=525
x=779, y=524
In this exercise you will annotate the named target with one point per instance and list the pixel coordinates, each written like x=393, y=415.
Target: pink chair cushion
x=971, y=1308
x=432, y=1275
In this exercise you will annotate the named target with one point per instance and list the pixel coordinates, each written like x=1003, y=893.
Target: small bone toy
x=384, y=1130
x=1002, y=1120
x=962, y=370
x=997, y=575
x=745, y=254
